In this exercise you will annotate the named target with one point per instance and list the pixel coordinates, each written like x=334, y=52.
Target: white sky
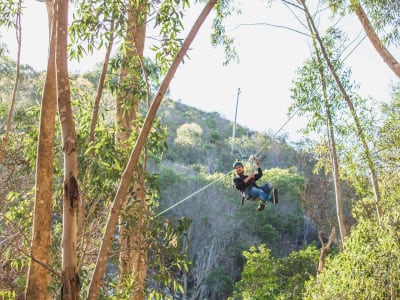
x=269, y=57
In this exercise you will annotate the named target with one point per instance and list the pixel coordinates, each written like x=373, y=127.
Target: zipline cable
x=223, y=175
x=276, y=132
x=190, y=196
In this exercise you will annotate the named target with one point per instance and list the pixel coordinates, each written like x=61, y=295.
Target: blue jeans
x=263, y=192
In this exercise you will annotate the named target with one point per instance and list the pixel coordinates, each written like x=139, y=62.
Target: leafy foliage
x=367, y=269
x=267, y=277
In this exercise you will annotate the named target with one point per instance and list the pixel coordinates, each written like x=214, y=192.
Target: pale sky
x=269, y=57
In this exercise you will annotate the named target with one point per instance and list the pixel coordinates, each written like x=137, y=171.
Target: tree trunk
x=133, y=254
x=324, y=250
x=361, y=135
x=134, y=157
x=336, y=176
x=38, y=276
x=387, y=57
x=332, y=150
x=100, y=88
x=70, y=279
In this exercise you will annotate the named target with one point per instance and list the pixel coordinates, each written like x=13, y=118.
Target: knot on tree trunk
x=72, y=192
x=71, y=285
x=69, y=145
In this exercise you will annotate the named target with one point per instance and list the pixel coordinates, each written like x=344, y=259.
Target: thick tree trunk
x=133, y=254
x=70, y=279
x=135, y=154
x=376, y=42
x=38, y=276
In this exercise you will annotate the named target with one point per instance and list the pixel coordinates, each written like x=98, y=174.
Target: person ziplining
x=242, y=186
x=248, y=188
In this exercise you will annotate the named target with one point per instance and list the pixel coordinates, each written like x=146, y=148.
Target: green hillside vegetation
x=210, y=246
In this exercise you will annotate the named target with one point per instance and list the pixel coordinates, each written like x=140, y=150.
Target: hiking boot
x=275, y=196
x=261, y=206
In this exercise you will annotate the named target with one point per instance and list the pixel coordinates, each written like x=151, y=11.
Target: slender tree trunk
x=70, y=279
x=134, y=157
x=368, y=155
x=324, y=250
x=336, y=176
x=38, y=276
x=332, y=150
x=100, y=88
x=15, y=89
x=376, y=42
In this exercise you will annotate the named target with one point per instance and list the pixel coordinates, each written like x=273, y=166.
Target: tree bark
x=324, y=250
x=376, y=42
x=70, y=279
x=38, y=276
x=336, y=176
x=134, y=157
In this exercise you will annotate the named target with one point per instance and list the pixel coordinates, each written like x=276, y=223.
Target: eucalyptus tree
x=135, y=154
x=350, y=103
x=70, y=278
x=57, y=87
x=129, y=18
x=133, y=245
x=38, y=275
x=379, y=20
x=316, y=95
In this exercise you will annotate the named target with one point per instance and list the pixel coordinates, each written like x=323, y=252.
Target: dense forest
x=110, y=189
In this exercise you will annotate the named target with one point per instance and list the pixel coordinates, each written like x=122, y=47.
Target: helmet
x=237, y=163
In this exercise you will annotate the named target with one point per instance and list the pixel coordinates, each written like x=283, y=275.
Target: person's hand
x=256, y=160
x=249, y=177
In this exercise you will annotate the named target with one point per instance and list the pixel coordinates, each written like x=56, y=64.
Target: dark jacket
x=239, y=183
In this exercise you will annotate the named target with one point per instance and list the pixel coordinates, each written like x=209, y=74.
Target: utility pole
x=234, y=124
